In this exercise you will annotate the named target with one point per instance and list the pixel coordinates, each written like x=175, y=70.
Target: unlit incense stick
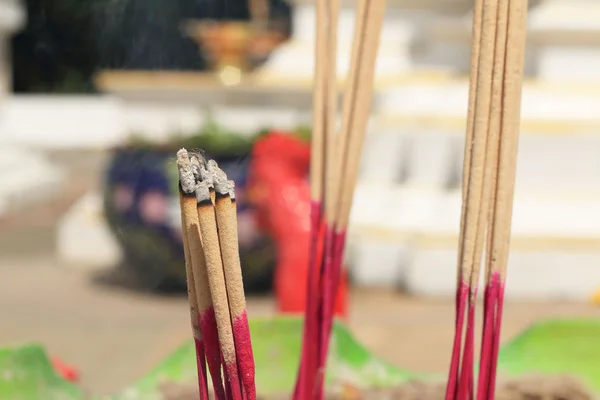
x=462, y=287
x=317, y=166
x=490, y=181
x=357, y=106
x=228, y=239
x=473, y=197
x=487, y=114
x=187, y=201
x=504, y=196
x=216, y=281
x=323, y=154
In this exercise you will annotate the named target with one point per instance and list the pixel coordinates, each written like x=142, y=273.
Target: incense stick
x=490, y=182
x=227, y=229
x=462, y=288
x=356, y=111
x=504, y=196
x=474, y=200
x=317, y=165
x=488, y=107
x=206, y=310
x=187, y=203
x=216, y=281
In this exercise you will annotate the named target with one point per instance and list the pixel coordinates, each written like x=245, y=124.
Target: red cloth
x=278, y=187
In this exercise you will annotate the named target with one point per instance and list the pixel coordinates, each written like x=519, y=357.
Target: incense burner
x=140, y=202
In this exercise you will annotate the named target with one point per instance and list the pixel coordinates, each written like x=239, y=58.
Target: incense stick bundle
x=216, y=284
x=501, y=214
x=325, y=56
x=356, y=110
x=218, y=288
x=334, y=170
x=489, y=131
x=187, y=201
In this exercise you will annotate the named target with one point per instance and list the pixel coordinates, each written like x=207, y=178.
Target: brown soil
x=558, y=387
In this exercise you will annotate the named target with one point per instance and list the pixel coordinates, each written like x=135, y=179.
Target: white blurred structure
x=407, y=234
x=18, y=179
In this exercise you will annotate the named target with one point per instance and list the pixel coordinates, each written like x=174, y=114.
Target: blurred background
x=97, y=95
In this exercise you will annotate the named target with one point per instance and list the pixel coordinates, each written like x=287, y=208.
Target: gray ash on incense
x=203, y=193
x=187, y=180
x=225, y=187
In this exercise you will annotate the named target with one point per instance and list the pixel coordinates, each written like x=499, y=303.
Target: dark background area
x=65, y=42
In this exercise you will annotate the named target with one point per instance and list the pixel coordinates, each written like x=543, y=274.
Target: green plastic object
x=26, y=374
x=569, y=346
x=557, y=346
x=276, y=344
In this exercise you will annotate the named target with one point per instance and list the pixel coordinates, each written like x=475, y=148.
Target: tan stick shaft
x=475, y=49
x=216, y=278
x=495, y=125
x=227, y=229
x=188, y=210
x=468, y=255
x=515, y=57
x=348, y=107
x=317, y=162
x=358, y=125
x=332, y=149
x=493, y=134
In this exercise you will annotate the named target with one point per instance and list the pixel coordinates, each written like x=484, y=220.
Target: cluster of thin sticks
x=215, y=288
x=498, y=48
x=334, y=169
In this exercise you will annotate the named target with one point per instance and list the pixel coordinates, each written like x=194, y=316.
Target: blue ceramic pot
x=142, y=207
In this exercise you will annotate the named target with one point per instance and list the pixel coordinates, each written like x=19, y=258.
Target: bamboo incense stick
x=187, y=203
x=218, y=290
x=227, y=229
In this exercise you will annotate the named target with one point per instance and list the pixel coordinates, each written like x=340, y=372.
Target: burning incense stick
x=216, y=281
x=205, y=311
x=187, y=201
x=227, y=228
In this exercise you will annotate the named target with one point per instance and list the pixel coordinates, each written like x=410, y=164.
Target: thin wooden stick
x=216, y=280
x=228, y=238
x=187, y=203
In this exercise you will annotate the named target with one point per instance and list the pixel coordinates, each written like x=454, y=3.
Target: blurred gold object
x=230, y=47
